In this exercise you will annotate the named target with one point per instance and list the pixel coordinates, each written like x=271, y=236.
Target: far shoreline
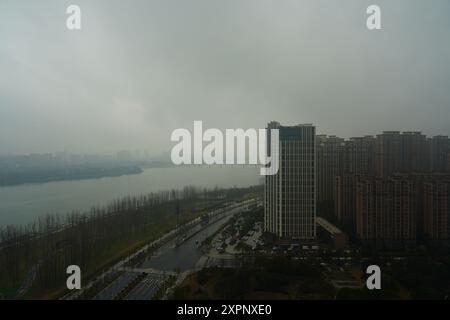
x=134, y=171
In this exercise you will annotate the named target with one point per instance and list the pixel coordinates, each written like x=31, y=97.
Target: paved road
x=168, y=257
x=186, y=255
x=149, y=271
x=146, y=289
x=111, y=291
x=28, y=282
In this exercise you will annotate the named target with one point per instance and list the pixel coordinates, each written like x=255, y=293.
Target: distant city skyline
x=148, y=152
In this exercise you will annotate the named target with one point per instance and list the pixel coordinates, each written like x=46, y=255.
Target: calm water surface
x=23, y=204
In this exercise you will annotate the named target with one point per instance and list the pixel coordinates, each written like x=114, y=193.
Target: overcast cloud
x=139, y=69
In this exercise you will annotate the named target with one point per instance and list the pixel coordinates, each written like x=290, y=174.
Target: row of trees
x=38, y=254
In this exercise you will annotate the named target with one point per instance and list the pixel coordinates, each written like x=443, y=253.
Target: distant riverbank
x=41, y=175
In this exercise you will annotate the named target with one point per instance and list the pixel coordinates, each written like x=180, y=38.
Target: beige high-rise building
x=386, y=210
x=330, y=163
x=397, y=152
x=440, y=152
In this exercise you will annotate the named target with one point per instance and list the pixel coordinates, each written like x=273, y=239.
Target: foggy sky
x=139, y=69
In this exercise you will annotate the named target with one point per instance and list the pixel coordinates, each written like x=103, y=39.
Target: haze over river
x=23, y=204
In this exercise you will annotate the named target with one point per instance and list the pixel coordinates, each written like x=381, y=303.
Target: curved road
x=187, y=254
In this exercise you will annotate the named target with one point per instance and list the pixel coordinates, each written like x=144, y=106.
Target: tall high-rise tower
x=290, y=195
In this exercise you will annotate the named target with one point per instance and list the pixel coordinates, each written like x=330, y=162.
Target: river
x=23, y=204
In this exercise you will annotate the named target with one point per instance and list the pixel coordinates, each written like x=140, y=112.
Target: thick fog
x=139, y=69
